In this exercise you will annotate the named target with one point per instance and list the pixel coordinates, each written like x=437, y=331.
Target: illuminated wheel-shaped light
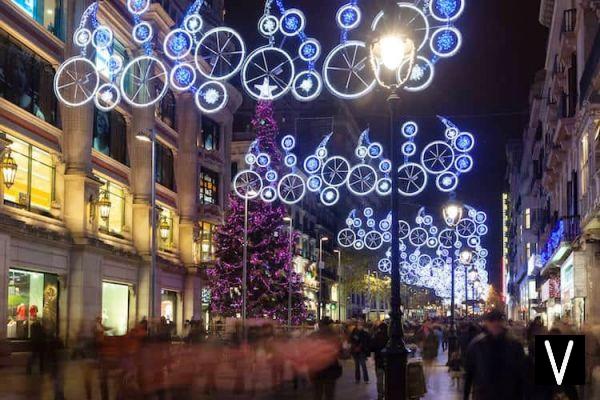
x=437, y=157
x=409, y=129
x=371, y=223
x=271, y=175
x=144, y=81
x=359, y=245
x=223, y=50
x=385, y=265
x=102, y=37
x=412, y=179
x=409, y=149
x=321, y=152
x=268, y=25
x=82, y=37
x=348, y=16
x=480, y=217
x=446, y=11
x=368, y=212
x=290, y=160
x=463, y=163
x=362, y=180
x=387, y=237
x=421, y=76
x=182, y=76
x=451, y=133
x=292, y=22
x=465, y=228
x=373, y=240
x=263, y=160
x=335, y=171
x=76, y=81
x=447, y=181
x=142, y=32
x=138, y=7
x=384, y=225
x=330, y=196
x=288, y=142
x=385, y=166
x=314, y=183
x=464, y=142
x=309, y=50
x=403, y=229
x=307, y=85
x=482, y=230
x=250, y=159
x=346, y=237
x=291, y=189
x=374, y=150
x=193, y=23
x=384, y=186
x=268, y=194
x=247, y=184
x=346, y=71
x=178, y=44
x=268, y=73
x=446, y=42
x=312, y=164
x=107, y=97
x=411, y=19
x=356, y=222
x=361, y=152
x=432, y=242
x=211, y=97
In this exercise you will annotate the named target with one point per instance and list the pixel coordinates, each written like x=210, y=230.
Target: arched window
x=165, y=110
x=110, y=135
x=165, y=174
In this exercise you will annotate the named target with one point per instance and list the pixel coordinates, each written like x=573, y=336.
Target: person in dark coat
x=495, y=363
x=378, y=343
x=325, y=378
x=360, y=348
x=38, y=345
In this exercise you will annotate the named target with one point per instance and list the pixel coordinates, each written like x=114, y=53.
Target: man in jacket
x=360, y=348
x=495, y=363
x=380, y=339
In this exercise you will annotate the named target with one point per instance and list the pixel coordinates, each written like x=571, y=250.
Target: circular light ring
x=263, y=160
x=178, y=44
x=362, y=180
x=373, y=240
x=356, y=222
x=482, y=230
x=413, y=179
x=182, y=76
x=307, y=86
x=67, y=76
x=359, y=245
x=291, y=189
x=451, y=133
x=421, y=75
x=327, y=78
x=346, y=237
x=361, y=151
x=250, y=159
x=409, y=8
x=321, y=152
x=312, y=164
x=463, y=163
x=292, y=22
x=335, y=171
x=260, y=53
x=368, y=212
x=473, y=241
x=330, y=196
x=480, y=217
x=288, y=142
x=314, y=183
x=449, y=37
x=446, y=11
x=136, y=65
x=438, y=263
x=82, y=37
x=375, y=150
x=211, y=97
x=387, y=237
x=483, y=253
x=114, y=64
x=446, y=238
x=385, y=166
x=410, y=129
x=447, y=182
x=437, y=157
x=403, y=229
x=465, y=228
x=348, y=16
x=271, y=175
x=107, y=97
x=472, y=212
x=385, y=265
x=427, y=219
x=384, y=225
x=268, y=25
x=432, y=242
x=207, y=39
x=349, y=221
x=142, y=32
x=464, y=142
x=193, y=23
x=384, y=186
x=409, y=149
x=247, y=184
x=102, y=37
x=309, y=50
x=424, y=260
x=371, y=223
x=268, y=194
x=433, y=230
x=138, y=7
x=290, y=160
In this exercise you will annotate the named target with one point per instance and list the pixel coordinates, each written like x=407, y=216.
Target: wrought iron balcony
x=569, y=21
x=564, y=232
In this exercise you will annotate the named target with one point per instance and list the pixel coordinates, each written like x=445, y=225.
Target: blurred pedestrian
x=38, y=345
x=380, y=339
x=325, y=378
x=360, y=349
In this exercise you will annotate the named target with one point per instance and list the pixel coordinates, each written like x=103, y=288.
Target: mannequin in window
x=21, y=317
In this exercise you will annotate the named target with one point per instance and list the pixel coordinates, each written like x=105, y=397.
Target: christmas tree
x=269, y=266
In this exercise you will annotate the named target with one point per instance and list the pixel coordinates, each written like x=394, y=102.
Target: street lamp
x=465, y=257
x=471, y=277
x=452, y=213
x=104, y=205
x=323, y=239
x=339, y=274
x=150, y=137
x=9, y=169
x=164, y=228
x=290, y=269
x=392, y=55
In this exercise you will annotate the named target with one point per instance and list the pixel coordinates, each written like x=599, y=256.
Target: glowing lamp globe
x=465, y=256
x=104, y=205
x=9, y=169
x=164, y=228
x=452, y=213
x=392, y=59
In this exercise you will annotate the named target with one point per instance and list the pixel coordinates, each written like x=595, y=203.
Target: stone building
x=556, y=187
x=75, y=224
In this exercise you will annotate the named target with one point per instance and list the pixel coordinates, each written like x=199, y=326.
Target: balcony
x=568, y=36
x=564, y=232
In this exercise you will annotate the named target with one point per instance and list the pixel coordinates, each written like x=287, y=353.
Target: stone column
x=192, y=296
x=4, y=267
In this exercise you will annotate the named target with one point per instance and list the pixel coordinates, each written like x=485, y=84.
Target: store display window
x=115, y=308
x=32, y=299
x=168, y=306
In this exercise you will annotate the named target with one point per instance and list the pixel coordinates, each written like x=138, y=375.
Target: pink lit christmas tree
x=269, y=258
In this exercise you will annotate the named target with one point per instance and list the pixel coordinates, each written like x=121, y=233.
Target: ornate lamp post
x=320, y=271
x=465, y=258
x=290, y=269
x=339, y=274
x=452, y=213
x=392, y=54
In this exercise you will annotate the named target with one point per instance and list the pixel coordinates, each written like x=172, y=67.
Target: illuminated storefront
x=115, y=308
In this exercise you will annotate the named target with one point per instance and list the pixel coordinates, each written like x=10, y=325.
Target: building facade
x=555, y=186
x=75, y=224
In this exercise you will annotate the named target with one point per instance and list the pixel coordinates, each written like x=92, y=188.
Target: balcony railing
x=566, y=229
x=567, y=105
x=569, y=21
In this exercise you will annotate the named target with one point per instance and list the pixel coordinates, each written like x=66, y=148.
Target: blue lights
x=464, y=142
x=553, y=242
x=309, y=50
x=445, y=42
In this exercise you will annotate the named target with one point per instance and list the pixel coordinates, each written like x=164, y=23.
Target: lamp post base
x=396, y=360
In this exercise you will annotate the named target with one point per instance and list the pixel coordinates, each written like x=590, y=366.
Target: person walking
x=325, y=378
x=495, y=363
x=380, y=339
x=360, y=349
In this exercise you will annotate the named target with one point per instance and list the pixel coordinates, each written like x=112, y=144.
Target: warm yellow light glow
x=9, y=169
x=164, y=228
x=452, y=214
x=104, y=205
x=392, y=51
x=466, y=256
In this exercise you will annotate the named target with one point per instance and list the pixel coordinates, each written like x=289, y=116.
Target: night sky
x=483, y=89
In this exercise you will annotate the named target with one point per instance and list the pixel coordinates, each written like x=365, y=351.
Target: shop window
x=110, y=135
x=165, y=229
x=168, y=308
x=34, y=182
x=211, y=133
x=528, y=218
x=115, y=308
x=165, y=109
x=209, y=187
x=27, y=80
x=32, y=304
x=206, y=247
x=46, y=12
x=165, y=174
x=116, y=219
